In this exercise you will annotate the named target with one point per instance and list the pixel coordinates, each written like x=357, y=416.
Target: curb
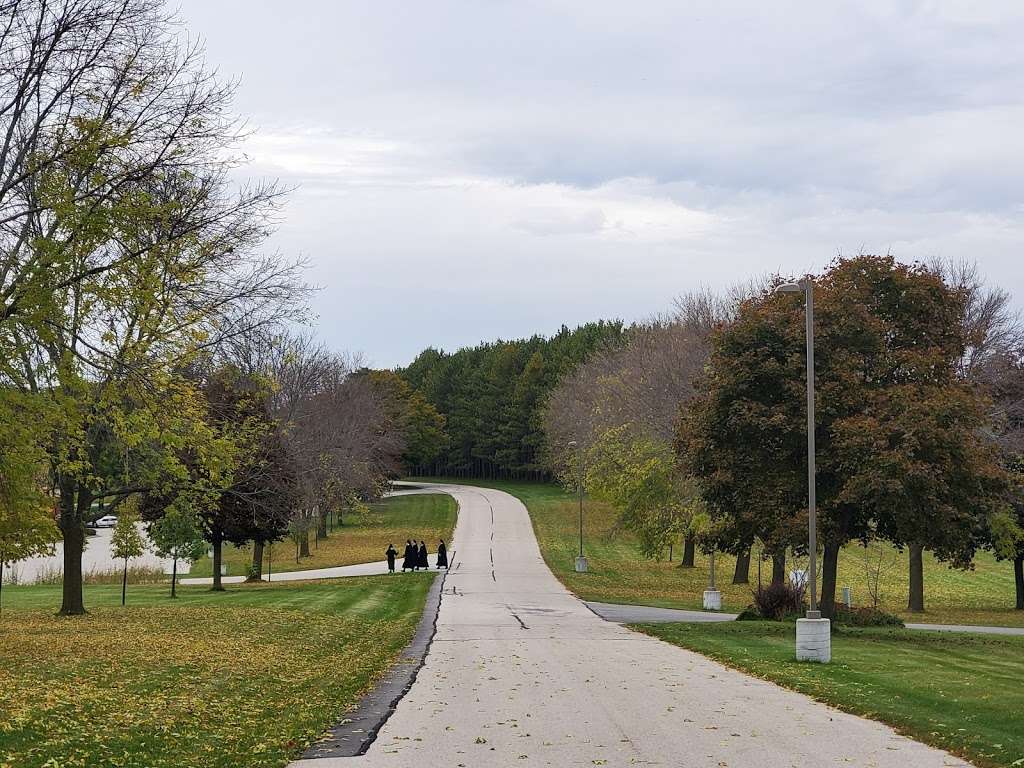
x=358, y=730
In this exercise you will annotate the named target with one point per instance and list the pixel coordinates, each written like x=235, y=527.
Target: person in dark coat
x=424, y=563
x=409, y=559
x=392, y=553
x=442, y=555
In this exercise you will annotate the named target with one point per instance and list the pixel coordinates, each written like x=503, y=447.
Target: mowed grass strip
x=247, y=677
x=963, y=693
x=619, y=573
x=362, y=539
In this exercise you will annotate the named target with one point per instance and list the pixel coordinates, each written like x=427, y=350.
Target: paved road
x=521, y=673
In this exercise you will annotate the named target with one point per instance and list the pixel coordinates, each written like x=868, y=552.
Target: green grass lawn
x=620, y=574
x=963, y=693
x=246, y=677
x=362, y=539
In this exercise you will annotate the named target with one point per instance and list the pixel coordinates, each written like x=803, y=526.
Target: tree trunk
x=218, y=585
x=915, y=601
x=1018, y=577
x=72, y=601
x=830, y=565
x=742, y=573
x=174, y=576
x=321, y=525
x=689, y=548
x=256, y=572
x=2, y=586
x=124, y=583
x=779, y=567
x=304, y=544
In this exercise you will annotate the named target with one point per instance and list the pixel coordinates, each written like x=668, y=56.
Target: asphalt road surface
x=521, y=673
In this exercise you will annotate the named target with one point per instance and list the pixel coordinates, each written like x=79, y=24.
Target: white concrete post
x=813, y=640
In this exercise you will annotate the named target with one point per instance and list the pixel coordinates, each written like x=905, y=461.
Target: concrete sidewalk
x=378, y=568
x=522, y=673
x=338, y=572
x=644, y=614
x=969, y=628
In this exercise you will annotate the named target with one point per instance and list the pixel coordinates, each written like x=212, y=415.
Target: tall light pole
x=813, y=635
x=581, y=561
x=712, y=595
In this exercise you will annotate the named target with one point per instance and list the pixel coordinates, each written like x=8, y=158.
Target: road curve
x=522, y=673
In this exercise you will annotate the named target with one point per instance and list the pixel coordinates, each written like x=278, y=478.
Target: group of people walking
x=415, y=556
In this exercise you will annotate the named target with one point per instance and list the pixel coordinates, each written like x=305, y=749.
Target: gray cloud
x=470, y=170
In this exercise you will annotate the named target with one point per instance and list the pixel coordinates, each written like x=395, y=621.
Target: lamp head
x=789, y=288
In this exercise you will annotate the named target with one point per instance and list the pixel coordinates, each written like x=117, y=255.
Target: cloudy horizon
x=469, y=171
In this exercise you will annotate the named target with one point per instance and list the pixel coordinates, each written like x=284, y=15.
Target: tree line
x=491, y=398
x=145, y=359
x=694, y=425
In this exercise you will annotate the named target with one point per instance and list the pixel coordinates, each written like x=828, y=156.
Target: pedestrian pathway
x=969, y=628
x=643, y=614
x=522, y=673
x=337, y=572
x=646, y=614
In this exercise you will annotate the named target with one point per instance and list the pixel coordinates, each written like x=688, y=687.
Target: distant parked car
x=107, y=521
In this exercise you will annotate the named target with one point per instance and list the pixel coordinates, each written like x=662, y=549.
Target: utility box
x=848, y=596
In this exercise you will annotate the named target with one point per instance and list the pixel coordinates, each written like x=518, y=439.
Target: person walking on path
x=410, y=557
x=442, y=555
x=391, y=554
x=424, y=563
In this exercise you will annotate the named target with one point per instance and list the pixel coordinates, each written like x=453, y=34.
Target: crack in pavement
x=516, y=616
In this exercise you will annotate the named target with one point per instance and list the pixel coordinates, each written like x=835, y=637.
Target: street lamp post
x=813, y=633
x=712, y=595
x=581, y=561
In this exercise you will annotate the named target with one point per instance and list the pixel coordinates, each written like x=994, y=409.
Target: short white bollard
x=712, y=600
x=581, y=564
x=813, y=640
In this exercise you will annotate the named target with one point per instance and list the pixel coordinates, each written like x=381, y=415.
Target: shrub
x=778, y=601
x=137, y=574
x=865, y=617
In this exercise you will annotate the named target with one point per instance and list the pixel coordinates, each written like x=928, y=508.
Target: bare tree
x=994, y=358
x=337, y=426
x=641, y=384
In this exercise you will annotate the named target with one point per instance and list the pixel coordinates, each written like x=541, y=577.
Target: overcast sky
x=489, y=168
